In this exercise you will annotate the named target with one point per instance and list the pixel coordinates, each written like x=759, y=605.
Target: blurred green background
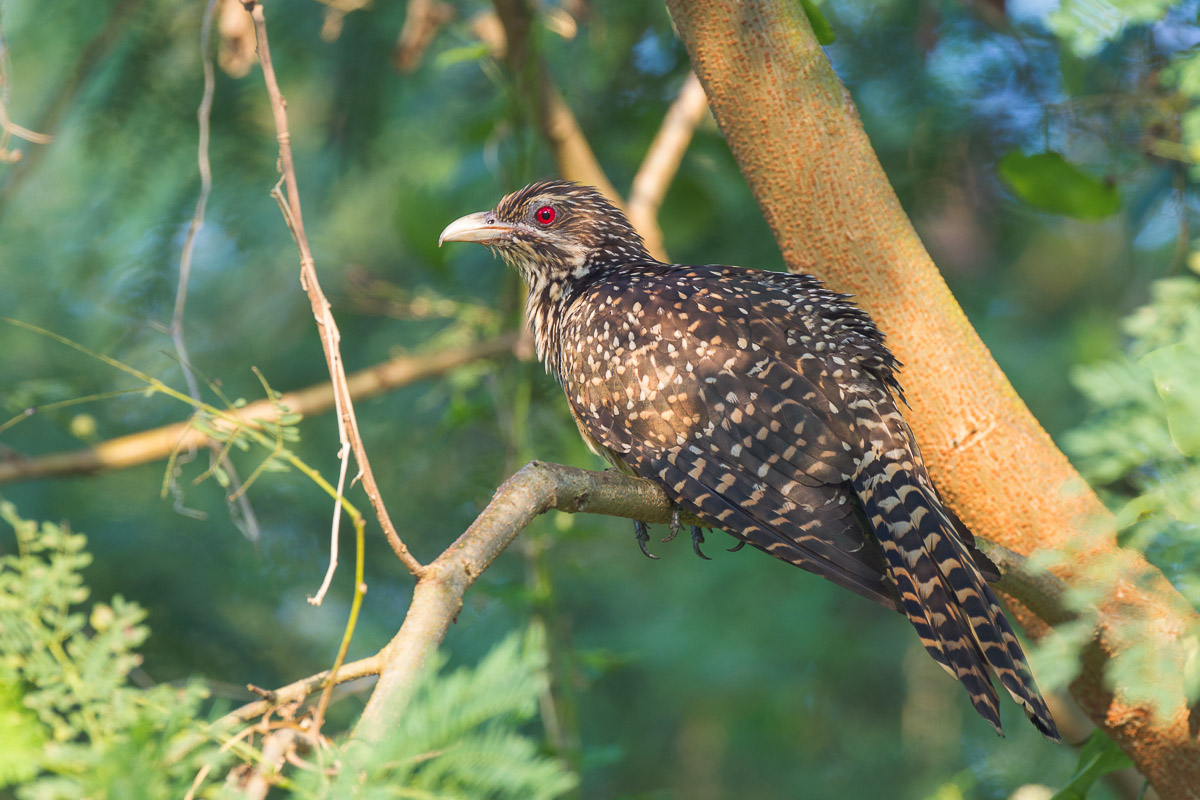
x=739, y=677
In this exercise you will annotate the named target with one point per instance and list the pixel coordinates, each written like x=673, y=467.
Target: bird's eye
x=544, y=215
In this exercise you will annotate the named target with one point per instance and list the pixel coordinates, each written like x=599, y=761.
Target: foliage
x=822, y=30
x=1137, y=444
x=1098, y=757
x=1140, y=442
x=1051, y=183
x=1087, y=25
x=734, y=676
x=73, y=725
x=458, y=736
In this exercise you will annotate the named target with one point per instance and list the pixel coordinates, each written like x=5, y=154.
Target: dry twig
x=347, y=423
x=422, y=19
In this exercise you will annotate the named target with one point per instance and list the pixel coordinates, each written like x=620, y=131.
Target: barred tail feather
x=942, y=591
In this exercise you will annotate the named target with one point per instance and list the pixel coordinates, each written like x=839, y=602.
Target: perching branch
x=158, y=443
x=534, y=489
x=801, y=146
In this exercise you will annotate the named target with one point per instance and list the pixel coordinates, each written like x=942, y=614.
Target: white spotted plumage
x=767, y=406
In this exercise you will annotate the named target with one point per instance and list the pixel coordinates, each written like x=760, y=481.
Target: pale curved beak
x=482, y=227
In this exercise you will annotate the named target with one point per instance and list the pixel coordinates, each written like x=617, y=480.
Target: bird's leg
x=642, y=533
x=675, y=524
x=697, y=540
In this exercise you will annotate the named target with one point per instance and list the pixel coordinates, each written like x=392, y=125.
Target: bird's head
x=552, y=232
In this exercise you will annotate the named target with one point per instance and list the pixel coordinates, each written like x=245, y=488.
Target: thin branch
x=298, y=690
x=422, y=20
x=534, y=489
x=204, y=121
x=662, y=160
x=115, y=28
x=239, y=502
x=156, y=444
x=8, y=128
x=320, y=305
x=276, y=747
x=572, y=154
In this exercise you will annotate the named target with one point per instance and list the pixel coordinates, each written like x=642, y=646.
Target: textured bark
x=800, y=144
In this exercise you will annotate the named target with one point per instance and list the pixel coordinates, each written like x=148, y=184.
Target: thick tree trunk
x=800, y=144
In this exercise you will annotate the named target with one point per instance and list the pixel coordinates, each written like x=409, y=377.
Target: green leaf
x=21, y=737
x=1051, y=183
x=457, y=55
x=1087, y=25
x=1098, y=757
x=1179, y=387
x=821, y=27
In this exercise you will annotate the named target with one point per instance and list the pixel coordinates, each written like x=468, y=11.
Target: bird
x=765, y=405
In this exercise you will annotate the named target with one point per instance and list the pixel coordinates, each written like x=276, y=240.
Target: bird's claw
x=675, y=524
x=697, y=540
x=737, y=546
x=641, y=532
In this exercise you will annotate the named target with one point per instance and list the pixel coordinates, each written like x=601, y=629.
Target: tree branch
x=662, y=160
x=798, y=140
x=158, y=443
x=534, y=489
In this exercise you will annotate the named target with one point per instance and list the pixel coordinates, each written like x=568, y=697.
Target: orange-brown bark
x=799, y=142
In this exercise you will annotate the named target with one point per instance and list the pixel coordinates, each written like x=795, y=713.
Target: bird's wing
x=680, y=381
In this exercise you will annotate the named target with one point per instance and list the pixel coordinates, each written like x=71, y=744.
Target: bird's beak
x=483, y=228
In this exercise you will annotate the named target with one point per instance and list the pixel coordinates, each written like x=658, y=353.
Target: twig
x=239, y=503
x=662, y=160
x=115, y=27
x=156, y=444
x=204, y=119
x=422, y=19
x=290, y=203
x=297, y=691
x=572, y=153
x=8, y=128
x=275, y=749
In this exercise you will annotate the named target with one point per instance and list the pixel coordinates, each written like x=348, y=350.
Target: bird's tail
x=942, y=590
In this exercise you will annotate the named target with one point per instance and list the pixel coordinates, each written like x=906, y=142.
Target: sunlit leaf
x=1088, y=25
x=1179, y=389
x=457, y=55
x=821, y=27
x=1049, y=182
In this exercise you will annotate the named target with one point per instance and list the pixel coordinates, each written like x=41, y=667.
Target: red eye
x=544, y=215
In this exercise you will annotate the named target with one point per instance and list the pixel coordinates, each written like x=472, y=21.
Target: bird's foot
x=697, y=540
x=641, y=532
x=675, y=524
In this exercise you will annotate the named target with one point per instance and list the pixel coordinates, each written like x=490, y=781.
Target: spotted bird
x=765, y=405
